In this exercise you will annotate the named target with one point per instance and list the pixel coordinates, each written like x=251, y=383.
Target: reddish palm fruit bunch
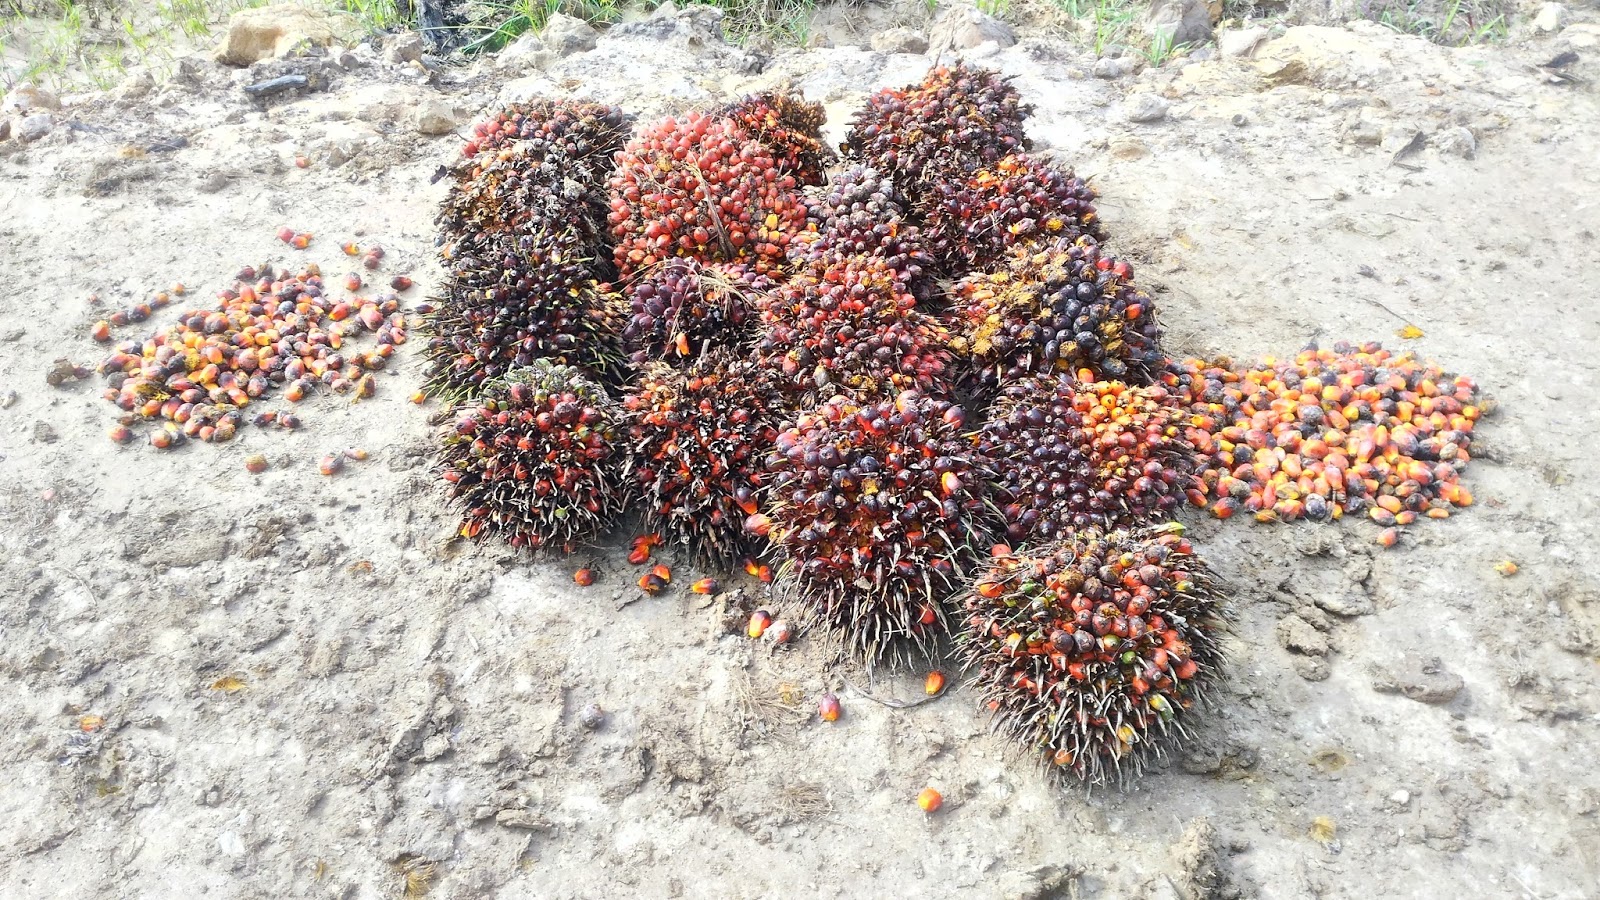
x=1061, y=306
x=861, y=214
x=852, y=323
x=534, y=459
x=579, y=133
x=1071, y=455
x=511, y=300
x=790, y=126
x=958, y=120
x=1330, y=432
x=699, y=186
x=1096, y=650
x=680, y=307
x=696, y=438
x=1019, y=200
x=268, y=330
x=876, y=507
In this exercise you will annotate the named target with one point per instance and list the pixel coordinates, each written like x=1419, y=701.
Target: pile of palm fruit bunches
x=913, y=379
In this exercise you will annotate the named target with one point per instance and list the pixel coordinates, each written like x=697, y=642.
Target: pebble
x=900, y=40
x=1145, y=107
x=1240, y=41
x=32, y=128
x=1456, y=140
x=1550, y=18
x=435, y=117
x=1419, y=679
x=1112, y=67
x=1298, y=636
x=565, y=35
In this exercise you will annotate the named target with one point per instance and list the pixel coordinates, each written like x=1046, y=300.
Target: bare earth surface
x=1403, y=723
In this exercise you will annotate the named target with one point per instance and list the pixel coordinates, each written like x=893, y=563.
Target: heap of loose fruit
x=865, y=385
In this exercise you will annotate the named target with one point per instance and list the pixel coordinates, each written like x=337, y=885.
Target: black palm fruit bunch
x=860, y=213
x=537, y=166
x=1070, y=455
x=680, y=308
x=1096, y=650
x=877, y=507
x=698, y=438
x=852, y=323
x=958, y=120
x=1018, y=200
x=1062, y=306
x=510, y=300
x=701, y=187
x=535, y=460
x=790, y=126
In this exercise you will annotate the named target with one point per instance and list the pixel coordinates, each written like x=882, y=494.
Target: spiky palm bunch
x=1018, y=200
x=1095, y=651
x=680, y=308
x=790, y=126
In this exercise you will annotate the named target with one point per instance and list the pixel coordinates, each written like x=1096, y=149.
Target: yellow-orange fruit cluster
x=1329, y=433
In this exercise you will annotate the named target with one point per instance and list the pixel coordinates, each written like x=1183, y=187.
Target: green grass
x=1453, y=23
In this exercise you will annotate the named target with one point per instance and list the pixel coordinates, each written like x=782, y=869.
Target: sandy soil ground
x=405, y=708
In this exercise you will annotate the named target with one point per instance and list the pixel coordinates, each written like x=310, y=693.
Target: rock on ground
x=967, y=27
x=277, y=31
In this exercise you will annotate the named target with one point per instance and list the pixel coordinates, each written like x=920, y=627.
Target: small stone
x=520, y=818
x=137, y=85
x=274, y=32
x=230, y=844
x=32, y=128
x=966, y=27
x=591, y=716
x=1299, y=636
x=1112, y=67
x=1365, y=129
x=526, y=52
x=1400, y=798
x=8, y=399
x=565, y=35
x=5, y=129
x=1399, y=137
x=1424, y=680
x=1241, y=41
x=900, y=40
x=45, y=433
x=1350, y=602
x=403, y=48
x=29, y=98
x=436, y=117
x=1456, y=140
x=1311, y=668
x=1128, y=148
x=1180, y=21
x=1145, y=107
x=1550, y=18
x=1240, y=120
x=1583, y=35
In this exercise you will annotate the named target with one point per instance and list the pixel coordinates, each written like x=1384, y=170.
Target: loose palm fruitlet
x=679, y=308
x=877, y=507
x=1019, y=200
x=1070, y=455
x=510, y=300
x=701, y=187
x=790, y=127
x=1096, y=651
x=535, y=460
x=860, y=213
x=852, y=324
x=1061, y=306
x=697, y=438
x=956, y=121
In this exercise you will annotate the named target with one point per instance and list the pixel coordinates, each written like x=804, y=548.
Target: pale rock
x=32, y=128
x=1365, y=128
x=278, y=31
x=1182, y=21
x=900, y=40
x=1550, y=18
x=1240, y=41
x=5, y=129
x=138, y=84
x=230, y=844
x=436, y=117
x=1424, y=680
x=1128, y=148
x=1144, y=107
x=965, y=28
x=1456, y=141
x=1299, y=636
x=403, y=48
x=1112, y=67
x=526, y=52
x=29, y=98
x=1583, y=36
x=1399, y=136
x=565, y=35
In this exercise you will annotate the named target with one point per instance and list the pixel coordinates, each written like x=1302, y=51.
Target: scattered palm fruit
x=699, y=187
x=828, y=708
x=285, y=234
x=351, y=248
x=780, y=632
x=331, y=464
x=255, y=464
x=661, y=571
x=1020, y=200
x=651, y=583
x=697, y=437
x=1506, y=568
x=534, y=460
x=1330, y=432
x=400, y=283
x=1063, y=305
x=1070, y=454
x=591, y=716
x=101, y=331
x=933, y=685
x=877, y=507
x=121, y=434
x=929, y=800
x=300, y=241
x=787, y=125
x=584, y=576
x=760, y=620
x=355, y=453
x=268, y=330
x=957, y=120
x=1389, y=536
x=1095, y=650
x=705, y=586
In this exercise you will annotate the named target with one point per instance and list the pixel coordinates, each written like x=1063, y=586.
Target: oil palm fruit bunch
x=789, y=126
x=1070, y=455
x=510, y=300
x=1095, y=651
x=1061, y=306
x=1018, y=200
x=852, y=323
x=697, y=438
x=861, y=213
x=680, y=307
x=876, y=507
x=958, y=120
x=538, y=165
x=535, y=460
x=701, y=187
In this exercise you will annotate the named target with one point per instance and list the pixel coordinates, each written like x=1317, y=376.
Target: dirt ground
x=307, y=693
